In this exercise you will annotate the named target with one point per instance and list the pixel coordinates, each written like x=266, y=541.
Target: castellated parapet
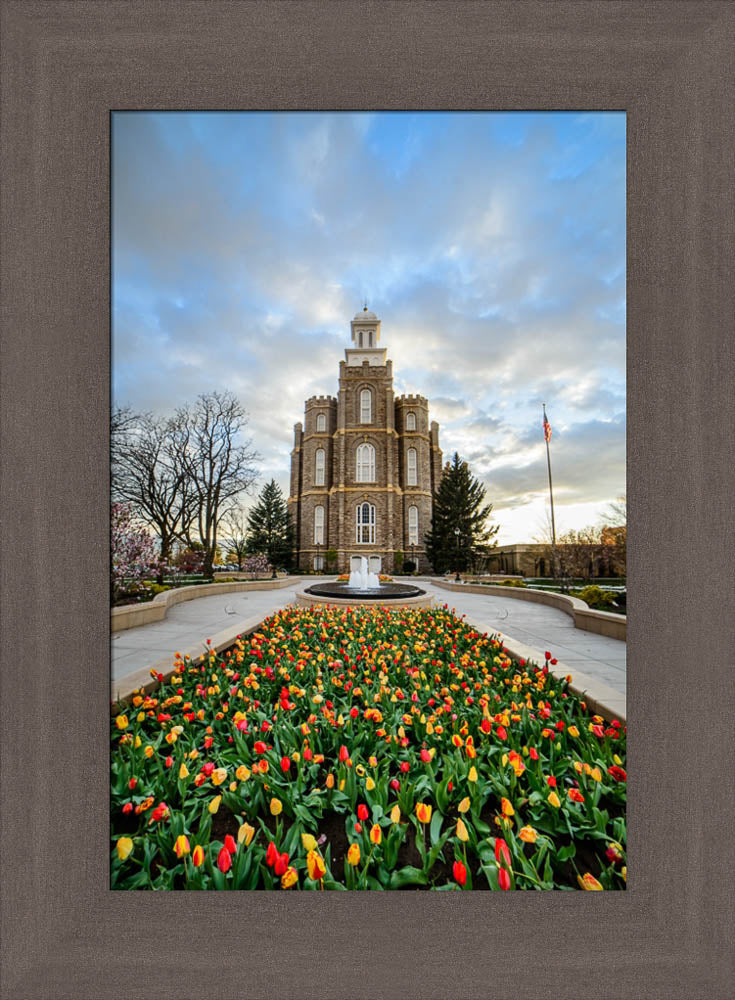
x=364, y=466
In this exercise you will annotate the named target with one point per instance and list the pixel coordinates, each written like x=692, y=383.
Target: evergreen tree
x=269, y=527
x=459, y=504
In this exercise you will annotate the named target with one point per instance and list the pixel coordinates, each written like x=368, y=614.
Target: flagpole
x=551, y=491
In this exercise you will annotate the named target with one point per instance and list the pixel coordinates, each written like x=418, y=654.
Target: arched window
x=321, y=422
x=413, y=526
x=411, y=467
x=319, y=467
x=319, y=525
x=366, y=406
x=411, y=421
x=365, y=524
x=365, y=471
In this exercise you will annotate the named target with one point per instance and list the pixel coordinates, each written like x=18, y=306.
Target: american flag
x=547, y=430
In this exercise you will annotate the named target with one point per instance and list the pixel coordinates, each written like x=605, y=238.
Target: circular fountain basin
x=397, y=594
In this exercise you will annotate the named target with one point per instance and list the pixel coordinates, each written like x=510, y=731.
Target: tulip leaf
x=407, y=876
x=435, y=827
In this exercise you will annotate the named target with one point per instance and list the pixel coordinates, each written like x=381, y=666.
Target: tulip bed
x=366, y=748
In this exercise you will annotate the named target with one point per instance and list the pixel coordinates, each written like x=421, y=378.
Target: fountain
x=364, y=587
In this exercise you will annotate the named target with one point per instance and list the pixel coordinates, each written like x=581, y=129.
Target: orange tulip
x=423, y=812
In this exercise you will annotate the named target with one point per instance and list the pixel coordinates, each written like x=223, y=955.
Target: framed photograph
x=68, y=69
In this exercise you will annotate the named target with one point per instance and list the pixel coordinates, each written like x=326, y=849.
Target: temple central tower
x=365, y=466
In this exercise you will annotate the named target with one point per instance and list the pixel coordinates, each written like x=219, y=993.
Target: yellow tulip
x=289, y=878
x=573, y=731
x=183, y=772
x=624, y=873
x=329, y=781
x=553, y=798
x=462, y=831
x=124, y=848
x=472, y=776
x=219, y=775
x=121, y=722
x=507, y=808
x=181, y=847
x=369, y=784
x=528, y=834
x=214, y=804
x=276, y=806
x=353, y=855
x=589, y=882
x=395, y=814
x=308, y=841
x=464, y=805
x=423, y=812
x=197, y=856
x=149, y=751
x=245, y=834
x=376, y=834
x=242, y=773
x=315, y=866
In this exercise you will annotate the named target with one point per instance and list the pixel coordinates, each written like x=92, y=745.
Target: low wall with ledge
x=602, y=622
x=133, y=615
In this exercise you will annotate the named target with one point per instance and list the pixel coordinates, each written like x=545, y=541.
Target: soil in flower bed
x=366, y=748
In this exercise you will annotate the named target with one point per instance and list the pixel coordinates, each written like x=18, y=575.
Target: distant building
x=365, y=466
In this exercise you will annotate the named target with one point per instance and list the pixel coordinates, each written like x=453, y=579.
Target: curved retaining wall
x=601, y=622
x=134, y=615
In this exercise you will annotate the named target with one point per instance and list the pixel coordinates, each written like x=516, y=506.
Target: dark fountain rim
x=385, y=592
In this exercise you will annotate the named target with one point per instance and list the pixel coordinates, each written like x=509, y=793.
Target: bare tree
x=235, y=541
x=147, y=472
x=216, y=467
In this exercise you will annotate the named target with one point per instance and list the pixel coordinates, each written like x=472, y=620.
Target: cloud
x=492, y=247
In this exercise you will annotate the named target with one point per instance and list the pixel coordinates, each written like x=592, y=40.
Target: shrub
x=595, y=597
x=409, y=566
x=513, y=583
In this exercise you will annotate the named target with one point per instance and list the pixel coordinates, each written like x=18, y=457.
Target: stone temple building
x=365, y=465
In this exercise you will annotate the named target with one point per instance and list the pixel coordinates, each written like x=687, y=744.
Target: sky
x=491, y=246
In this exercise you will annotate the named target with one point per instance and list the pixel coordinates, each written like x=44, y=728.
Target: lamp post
x=318, y=557
x=413, y=557
x=457, y=578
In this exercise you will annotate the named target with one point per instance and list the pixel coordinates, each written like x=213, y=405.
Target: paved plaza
x=528, y=628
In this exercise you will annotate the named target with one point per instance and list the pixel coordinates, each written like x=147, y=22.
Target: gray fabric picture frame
x=65, y=66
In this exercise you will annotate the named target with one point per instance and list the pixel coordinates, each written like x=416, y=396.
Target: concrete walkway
x=527, y=629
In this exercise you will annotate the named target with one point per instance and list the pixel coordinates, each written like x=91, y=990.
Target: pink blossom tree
x=133, y=552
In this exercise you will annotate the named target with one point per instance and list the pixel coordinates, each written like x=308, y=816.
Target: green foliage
x=331, y=557
x=512, y=583
x=397, y=561
x=269, y=527
x=595, y=597
x=459, y=504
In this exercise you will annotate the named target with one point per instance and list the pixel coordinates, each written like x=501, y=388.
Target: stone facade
x=365, y=465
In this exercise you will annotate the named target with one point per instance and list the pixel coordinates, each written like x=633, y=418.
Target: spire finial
x=364, y=308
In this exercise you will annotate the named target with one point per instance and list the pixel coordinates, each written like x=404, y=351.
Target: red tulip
x=533, y=754
x=502, y=733
x=425, y=756
x=459, y=873
x=575, y=795
x=486, y=725
x=362, y=812
x=280, y=865
x=169, y=761
x=597, y=730
x=617, y=772
x=230, y=844
x=132, y=783
x=405, y=766
x=307, y=753
x=285, y=764
x=224, y=860
x=358, y=827
x=127, y=808
x=395, y=784
x=354, y=712
x=551, y=781
x=207, y=769
x=503, y=879
x=259, y=746
x=271, y=854
x=343, y=754
x=502, y=854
